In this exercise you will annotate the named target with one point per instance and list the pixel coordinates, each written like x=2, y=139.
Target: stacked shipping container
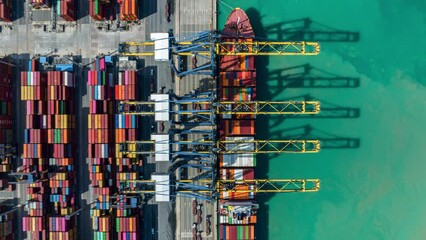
x=48, y=147
x=35, y=150
x=40, y=3
x=128, y=10
x=6, y=229
x=66, y=10
x=127, y=167
x=101, y=147
x=108, y=167
x=5, y=116
x=101, y=9
x=237, y=82
x=6, y=10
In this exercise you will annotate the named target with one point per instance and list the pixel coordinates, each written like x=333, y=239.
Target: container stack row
x=62, y=173
x=101, y=9
x=6, y=225
x=35, y=151
x=40, y=3
x=66, y=9
x=127, y=166
x=101, y=147
x=128, y=10
x=6, y=10
x=48, y=152
x=6, y=133
x=237, y=82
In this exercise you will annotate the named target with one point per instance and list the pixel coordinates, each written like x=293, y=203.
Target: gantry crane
x=201, y=107
x=208, y=45
x=239, y=145
x=206, y=189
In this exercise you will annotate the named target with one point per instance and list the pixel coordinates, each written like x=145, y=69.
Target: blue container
x=43, y=59
x=64, y=67
x=111, y=79
x=108, y=59
x=133, y=121
x=97, y=64
x=26, y=135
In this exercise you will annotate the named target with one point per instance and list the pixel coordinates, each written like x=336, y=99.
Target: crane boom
x=254, y=48
x=240, y=48
x=229, y=107
x=241, y=186
x=234, y=146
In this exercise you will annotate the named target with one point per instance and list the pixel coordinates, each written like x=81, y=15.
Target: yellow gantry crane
x=241, y=48
x=231, y=146
x=208, y=45
x=226, y=107
x=222, y=186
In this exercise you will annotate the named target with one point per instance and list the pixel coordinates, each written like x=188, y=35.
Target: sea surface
x=372, y=178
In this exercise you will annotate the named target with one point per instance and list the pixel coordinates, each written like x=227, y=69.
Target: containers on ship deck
x=238, y=94
x=237, y=79
x=238, y=160
x=237, y=127
x=237, y=63
x=232, y=232
x=238, y=212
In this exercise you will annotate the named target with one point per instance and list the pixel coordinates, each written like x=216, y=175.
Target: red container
x=238, y=79
x=233, y=127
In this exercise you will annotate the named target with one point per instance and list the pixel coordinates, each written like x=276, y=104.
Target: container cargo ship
x=237, y=82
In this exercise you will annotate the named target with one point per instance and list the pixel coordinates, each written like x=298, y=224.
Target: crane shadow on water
x=306, y=29
x=307, y=132
x=307, y=76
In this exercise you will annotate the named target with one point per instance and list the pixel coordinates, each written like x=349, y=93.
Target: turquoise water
x=373, y=191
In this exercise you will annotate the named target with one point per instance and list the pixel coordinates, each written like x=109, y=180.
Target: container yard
x=48, y=151
x=115, y=144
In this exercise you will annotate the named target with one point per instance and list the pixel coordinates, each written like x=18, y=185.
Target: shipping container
x=66, y=10
x=39, y=3
x=243, y=232
x=128, y=10
x=6, y=8
x=240, y=79
x=237, y=127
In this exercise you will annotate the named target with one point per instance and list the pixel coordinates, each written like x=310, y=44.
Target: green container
x=57, y=136
x=3, y=108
